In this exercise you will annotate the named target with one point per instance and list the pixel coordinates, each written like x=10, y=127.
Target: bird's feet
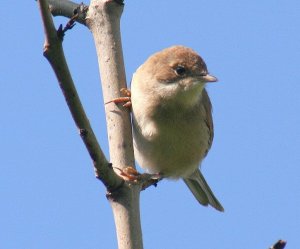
x=130, y=174
x=126, y=99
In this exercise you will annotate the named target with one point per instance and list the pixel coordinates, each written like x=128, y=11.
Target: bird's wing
x=208, y=117
x=196, y=182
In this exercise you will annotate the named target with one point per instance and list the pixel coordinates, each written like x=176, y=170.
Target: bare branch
x=103, y=19
x=68, y=9
x=53, y=51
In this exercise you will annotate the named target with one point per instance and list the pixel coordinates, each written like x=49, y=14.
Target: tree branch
x=68, y=9
x=53, y=51
x=280, y=244
x=103, y=19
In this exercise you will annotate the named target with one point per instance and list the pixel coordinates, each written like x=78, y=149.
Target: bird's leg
x=126, y=99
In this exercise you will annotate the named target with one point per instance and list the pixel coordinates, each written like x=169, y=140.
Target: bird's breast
x=173, y=145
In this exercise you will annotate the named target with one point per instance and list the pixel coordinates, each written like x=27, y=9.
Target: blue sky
x=49, y=195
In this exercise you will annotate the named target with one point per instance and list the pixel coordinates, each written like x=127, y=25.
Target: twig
x=68, y=9
x=70, y=24
x=280, y=244
x=53, y=51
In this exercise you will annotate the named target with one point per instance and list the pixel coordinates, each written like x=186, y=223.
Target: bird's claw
x=126, y=99
x=130, y=174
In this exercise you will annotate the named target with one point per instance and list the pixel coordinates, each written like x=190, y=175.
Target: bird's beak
x=209, y=78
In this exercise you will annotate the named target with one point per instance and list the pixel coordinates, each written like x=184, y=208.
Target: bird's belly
x=176, y=151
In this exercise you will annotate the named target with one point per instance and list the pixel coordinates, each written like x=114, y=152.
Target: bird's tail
x=202, y=191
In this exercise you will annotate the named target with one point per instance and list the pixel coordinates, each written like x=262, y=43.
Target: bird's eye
x=180, y=70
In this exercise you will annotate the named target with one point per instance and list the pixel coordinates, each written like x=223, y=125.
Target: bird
x=172, y=118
